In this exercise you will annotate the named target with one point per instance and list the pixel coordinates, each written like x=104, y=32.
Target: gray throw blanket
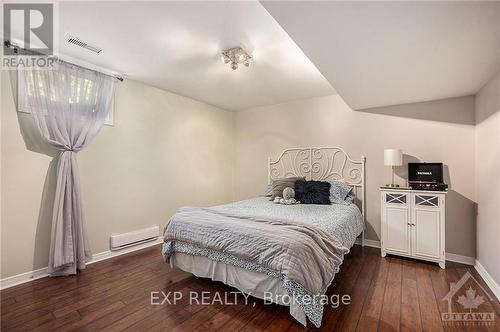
x=304, y=257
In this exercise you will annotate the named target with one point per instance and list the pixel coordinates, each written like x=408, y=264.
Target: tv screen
x=425, y=172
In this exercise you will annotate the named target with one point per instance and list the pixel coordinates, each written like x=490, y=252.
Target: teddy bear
x=288, y=197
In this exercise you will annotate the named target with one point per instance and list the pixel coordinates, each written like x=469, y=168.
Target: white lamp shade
x=393, y=157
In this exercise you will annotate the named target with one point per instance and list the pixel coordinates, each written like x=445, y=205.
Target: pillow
x=280, y=184
x=312, y=192
x=341, y=193
x=269, y=190
x=350, y=197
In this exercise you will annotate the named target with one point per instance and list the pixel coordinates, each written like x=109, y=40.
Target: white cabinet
x=413, y=224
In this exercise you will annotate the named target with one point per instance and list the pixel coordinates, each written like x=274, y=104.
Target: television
x=425, y=173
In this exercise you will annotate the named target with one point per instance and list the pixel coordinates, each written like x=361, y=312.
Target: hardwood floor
x=386, y=294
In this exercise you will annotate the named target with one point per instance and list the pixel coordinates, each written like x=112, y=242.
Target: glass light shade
x=225, y=59
x=236, y=56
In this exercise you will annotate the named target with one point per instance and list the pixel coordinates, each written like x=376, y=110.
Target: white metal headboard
x=323, y=164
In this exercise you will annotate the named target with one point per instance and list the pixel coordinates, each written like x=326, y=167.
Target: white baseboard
x=488, y=279
x=23, y=277
x=369, y=243
x=42, y=273
x=109, y=254
x=460, y=259
x=449, y=256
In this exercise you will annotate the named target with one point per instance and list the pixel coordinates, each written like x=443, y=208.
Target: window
x=80, y=90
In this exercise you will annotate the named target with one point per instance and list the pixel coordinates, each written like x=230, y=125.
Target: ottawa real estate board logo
x=466, y=307
x=28, y=35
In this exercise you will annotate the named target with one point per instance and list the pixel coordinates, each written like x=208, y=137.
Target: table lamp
x=393, y=158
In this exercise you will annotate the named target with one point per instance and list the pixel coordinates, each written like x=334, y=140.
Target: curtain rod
x=8, y=44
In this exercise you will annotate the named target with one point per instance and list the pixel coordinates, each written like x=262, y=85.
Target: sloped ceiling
x=176, y=46
x=388, y=53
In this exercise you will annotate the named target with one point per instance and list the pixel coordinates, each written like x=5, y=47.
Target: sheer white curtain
x=69, y=105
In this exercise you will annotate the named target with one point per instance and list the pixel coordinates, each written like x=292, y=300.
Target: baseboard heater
x=120, y=241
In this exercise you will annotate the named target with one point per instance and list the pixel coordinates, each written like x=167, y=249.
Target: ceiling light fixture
x=236, y=56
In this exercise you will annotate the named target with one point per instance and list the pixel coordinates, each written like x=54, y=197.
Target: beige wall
x=163, y=152
x=488, y=176
x=328, y=121
x=166, y=151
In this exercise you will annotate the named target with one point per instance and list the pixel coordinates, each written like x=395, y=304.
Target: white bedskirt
x=246, y=281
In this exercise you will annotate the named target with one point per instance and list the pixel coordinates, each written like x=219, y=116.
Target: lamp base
x=392, y=185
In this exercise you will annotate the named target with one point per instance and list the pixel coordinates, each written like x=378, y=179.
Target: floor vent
x=119, y=241
x=81, y=43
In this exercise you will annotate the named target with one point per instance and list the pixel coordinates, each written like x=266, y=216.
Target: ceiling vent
x=81, y=43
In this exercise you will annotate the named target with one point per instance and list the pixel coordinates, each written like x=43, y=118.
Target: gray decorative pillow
x=341, y=193
x=269, y=190
x=280, y=184
x=350, y=197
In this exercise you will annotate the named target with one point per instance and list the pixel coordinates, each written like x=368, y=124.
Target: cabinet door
x=395, y=218
x=426, y=226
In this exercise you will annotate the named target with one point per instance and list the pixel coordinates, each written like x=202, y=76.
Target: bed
x=287, y=254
